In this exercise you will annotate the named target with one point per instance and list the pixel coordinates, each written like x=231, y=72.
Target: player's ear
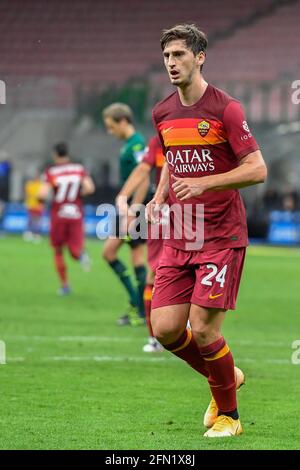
x=201, y=58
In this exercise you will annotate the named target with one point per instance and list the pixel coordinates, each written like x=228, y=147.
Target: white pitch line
x=138, y=359
x=128, y=339
x=15, y=359
x=246, y=342
x=107, y=358
x=125, y=339
x=110, y=339
x=278, y=361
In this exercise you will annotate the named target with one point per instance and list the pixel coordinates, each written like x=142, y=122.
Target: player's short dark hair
x=117, y=112
x=194, y=38
x=61, y=149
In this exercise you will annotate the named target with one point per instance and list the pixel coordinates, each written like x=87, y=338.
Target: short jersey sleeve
x=155, y=123
x=138, y=152
x=238, y=133
x=151, y=150
x=84, y=172
x=46, y=178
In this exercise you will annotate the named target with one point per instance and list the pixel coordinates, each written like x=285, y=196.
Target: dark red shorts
x=154, y=250
x=209, y=279
x=67, y=232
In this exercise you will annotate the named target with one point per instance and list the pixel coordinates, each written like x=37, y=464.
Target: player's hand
x=153, y=210
x=130, y=220
x=186, y=188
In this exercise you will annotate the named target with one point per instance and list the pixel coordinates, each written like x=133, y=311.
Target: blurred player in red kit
x=68, y=182
x=153, y=159
x=210, y=153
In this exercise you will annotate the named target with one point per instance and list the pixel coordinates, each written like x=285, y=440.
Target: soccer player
x=118, y=120
x=34, y=207
x=210, y=153
x=69, y=182
x=153, y=159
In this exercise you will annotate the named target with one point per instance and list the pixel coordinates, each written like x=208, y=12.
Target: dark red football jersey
x=66, y=180
x=154, y=156
x=207, y=138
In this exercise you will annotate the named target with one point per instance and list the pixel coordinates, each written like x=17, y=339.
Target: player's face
x=182, y=65
x=114, y=128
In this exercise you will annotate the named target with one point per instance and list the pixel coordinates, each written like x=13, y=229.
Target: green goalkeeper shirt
x=131, y=155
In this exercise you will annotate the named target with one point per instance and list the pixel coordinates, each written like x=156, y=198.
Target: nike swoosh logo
x=214, y=296
x=168, y=129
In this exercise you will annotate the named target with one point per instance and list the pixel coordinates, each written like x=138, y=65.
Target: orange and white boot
x=225, y=426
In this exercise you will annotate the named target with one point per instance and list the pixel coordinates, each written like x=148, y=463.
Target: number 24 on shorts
x=219, y=276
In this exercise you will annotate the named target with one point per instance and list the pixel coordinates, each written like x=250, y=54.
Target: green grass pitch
x=75, y=380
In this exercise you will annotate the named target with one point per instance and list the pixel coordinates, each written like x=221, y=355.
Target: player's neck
x=62, y=160
x=129, y=132
x=192, y=92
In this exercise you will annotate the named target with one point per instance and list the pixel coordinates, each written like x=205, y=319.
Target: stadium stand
x=57, y=57
x=112, y=41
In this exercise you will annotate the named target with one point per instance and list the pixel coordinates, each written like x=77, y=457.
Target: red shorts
x=67, y=232
x=209, y=279
x=154, y=250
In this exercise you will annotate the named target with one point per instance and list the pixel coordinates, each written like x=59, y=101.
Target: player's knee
x=75, y=253
x=108, y=254
x=165, y=332
x=138, y=257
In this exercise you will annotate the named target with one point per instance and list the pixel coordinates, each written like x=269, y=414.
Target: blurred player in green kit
x=118, y=120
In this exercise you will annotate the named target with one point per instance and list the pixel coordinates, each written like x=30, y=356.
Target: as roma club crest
x=203, y=128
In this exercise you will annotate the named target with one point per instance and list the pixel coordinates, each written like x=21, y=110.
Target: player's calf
x=212, y=411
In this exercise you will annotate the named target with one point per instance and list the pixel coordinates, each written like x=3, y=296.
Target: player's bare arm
x=87, y=186
x=45, y=191
x=138, y=198
x=162, y=191
x=160, y=196
x=141, y=191
x=138, y=178
x=138, y=175
x=252, y=170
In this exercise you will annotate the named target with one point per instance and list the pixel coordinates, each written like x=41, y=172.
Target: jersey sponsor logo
x=190, y=160
x=245, y=126
x=69, y=211
x=203, y=128
x=214, y=296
